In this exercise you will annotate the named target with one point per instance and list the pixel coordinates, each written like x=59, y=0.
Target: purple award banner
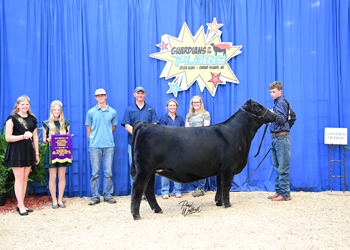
x=61, y=148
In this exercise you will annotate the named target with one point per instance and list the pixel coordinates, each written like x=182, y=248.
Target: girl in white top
x=197, y=117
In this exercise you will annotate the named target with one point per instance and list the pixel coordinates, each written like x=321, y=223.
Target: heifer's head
x=259, y=111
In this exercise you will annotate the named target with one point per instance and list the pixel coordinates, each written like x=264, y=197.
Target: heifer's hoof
x=158, y=211
x=136, y=217
x=219, y=203
x=228, y=205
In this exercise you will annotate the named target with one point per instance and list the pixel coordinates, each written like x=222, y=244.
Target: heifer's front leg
x=218, y=195
x=226, y=186
x=151, y=198
x=138, y=188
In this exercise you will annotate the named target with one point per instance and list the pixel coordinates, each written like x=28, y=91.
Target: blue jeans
x=130, y=161
x=281, y=162
x=104, y=155
x=200, y=184
x=166, y=187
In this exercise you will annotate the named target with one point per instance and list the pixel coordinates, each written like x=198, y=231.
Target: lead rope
x=258, y=166
x=262, y=139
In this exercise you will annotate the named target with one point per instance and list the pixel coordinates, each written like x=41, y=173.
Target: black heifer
x=189, y=154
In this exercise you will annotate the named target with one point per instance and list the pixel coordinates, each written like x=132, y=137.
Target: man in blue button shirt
x=139, y=111
x=101, y=122
x=280, y=144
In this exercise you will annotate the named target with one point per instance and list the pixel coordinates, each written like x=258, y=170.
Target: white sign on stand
x=336, y=136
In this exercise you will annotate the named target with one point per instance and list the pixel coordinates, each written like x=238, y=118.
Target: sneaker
x=93, y=202
x=111, y=200
x=198, y=192
x=165, y=196
x=178, y=195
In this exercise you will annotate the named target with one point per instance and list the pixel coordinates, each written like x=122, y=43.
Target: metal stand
x=343, y=161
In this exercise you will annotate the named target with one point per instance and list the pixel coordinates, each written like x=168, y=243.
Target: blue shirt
x=168, y=121
x=101, y=122
x=133, y=114
x=282, y=110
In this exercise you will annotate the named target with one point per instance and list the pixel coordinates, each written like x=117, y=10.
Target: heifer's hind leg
x=218, y=196
x=151, y=198
x=138, y=188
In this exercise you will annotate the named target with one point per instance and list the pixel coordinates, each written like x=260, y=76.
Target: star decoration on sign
x=174, y=88
x=214, y=26
x=215, y=79
x=164, y=45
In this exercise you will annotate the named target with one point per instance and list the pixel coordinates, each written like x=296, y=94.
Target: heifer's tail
x=136, y=127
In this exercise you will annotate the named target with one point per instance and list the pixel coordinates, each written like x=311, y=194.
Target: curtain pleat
x=64, y=50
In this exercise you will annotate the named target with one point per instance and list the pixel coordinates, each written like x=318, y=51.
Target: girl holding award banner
x=23, y=149
x=55, y=125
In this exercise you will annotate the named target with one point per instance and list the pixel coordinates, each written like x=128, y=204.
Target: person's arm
x=206, y=118
x=281, y=112
x=114, y=122
x=46, y=140
x=36, y=146
x=155, y=117
x=88, y=130
x=187, y=124
x=128, y=128
x=9, y=130
x=182, y=124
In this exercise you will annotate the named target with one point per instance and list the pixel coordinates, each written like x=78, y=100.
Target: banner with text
x=61, y=148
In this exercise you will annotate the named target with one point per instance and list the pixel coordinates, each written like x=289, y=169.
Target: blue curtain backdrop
x=66, y=49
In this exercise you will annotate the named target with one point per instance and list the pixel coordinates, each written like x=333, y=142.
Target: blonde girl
x=198, y=117
x=23, y=149
x=56, y=124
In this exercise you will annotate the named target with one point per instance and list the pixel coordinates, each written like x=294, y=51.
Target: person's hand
x=28, y=134
x=48, y=139
x=25, y=137
x=72, y=135
x=37, y=160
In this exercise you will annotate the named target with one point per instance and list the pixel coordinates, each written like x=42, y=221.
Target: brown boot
x=280, y=198
x=272, y=196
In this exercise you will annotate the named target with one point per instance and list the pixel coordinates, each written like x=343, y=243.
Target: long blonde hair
x=174, y=101
x=61, y=120
x=20, y=99
x=191, y=111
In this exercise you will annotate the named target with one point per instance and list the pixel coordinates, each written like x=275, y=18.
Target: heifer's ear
x=248, y=105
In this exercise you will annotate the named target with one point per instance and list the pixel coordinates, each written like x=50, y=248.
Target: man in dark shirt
x=139, y=111
x=280, y=144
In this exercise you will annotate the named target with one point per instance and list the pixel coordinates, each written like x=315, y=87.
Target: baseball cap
x=100, y=92
x=139, y=89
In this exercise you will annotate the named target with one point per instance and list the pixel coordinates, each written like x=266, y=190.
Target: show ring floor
x=308, y=221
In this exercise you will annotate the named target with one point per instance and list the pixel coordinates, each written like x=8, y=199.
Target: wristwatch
x=37, y=153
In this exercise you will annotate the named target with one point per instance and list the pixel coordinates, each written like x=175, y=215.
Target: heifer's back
x=185, y=154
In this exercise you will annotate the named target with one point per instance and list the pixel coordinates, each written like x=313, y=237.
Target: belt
x=279, y=133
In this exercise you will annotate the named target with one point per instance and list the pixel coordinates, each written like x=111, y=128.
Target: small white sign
x=336, y=136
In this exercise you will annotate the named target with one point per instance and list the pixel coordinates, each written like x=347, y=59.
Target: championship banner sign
x=61, y=148
x=202, y=58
